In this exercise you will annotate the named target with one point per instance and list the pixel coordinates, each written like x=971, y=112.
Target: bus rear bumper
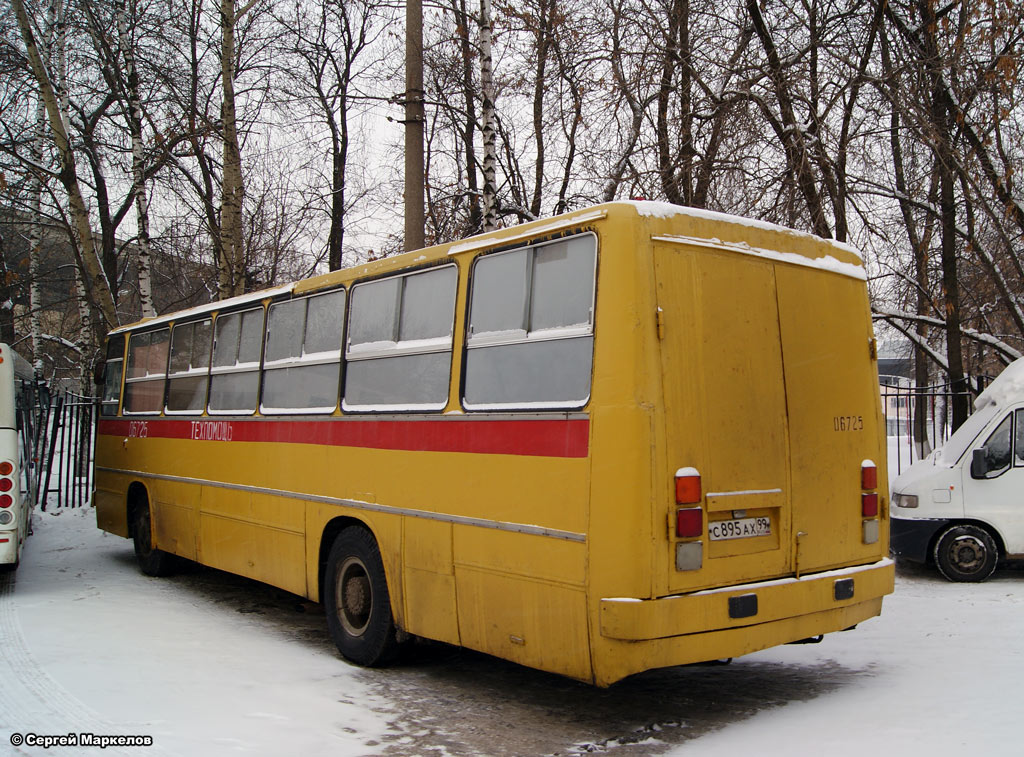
x=746, y=605
x=8, y=547
x=647, y=634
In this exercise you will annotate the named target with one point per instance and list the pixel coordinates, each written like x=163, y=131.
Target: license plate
x=740, y=528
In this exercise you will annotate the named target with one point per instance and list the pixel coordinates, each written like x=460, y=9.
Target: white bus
x=16, y=490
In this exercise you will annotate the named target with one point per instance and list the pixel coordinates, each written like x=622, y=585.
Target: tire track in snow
x=31, y=701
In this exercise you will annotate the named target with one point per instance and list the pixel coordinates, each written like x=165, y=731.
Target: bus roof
x=707, y=227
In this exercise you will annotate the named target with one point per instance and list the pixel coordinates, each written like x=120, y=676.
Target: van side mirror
x=979, y=463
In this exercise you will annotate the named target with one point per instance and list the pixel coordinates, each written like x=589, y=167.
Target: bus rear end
x=15, y=504
x=768, y=501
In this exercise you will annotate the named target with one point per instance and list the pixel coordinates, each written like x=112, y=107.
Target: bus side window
x=112, y=371
x=400, y=342
x=531, y=326
x=235, y=373
x=302, y=366
x=188, y=376
x=147, y=369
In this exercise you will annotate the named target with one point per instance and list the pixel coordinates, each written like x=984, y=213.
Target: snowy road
x=210, y=664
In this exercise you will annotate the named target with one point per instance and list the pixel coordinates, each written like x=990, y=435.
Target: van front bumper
x=911, y=538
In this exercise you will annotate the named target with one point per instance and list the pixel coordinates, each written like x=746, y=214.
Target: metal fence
x=917, y=420
x=58, y=437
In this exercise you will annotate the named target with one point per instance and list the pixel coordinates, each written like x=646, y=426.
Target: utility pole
x=414, y=118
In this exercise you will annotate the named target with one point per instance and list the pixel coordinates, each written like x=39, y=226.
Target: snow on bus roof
x=231, y=302
x=665, y=210
x=653, y=209
x=824, y=263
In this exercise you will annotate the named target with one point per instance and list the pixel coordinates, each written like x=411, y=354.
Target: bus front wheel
x=152, y=561
x=356, y=599
x=966, y=553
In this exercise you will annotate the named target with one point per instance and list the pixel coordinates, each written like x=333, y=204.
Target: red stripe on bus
x=541, y=438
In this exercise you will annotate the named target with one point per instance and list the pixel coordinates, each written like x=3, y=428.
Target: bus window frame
x=237, y=367
x=473, y=342
x=191, y=372
x=148, y=378
x=111, y=408
x=412, y=347
x=305, y=359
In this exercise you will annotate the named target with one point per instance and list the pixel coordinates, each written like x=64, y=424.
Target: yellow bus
x=628, y=437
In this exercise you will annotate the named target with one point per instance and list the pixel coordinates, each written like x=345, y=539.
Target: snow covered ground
x=210, y=664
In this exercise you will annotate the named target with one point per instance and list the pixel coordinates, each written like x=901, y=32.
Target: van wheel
x=966, y=553
x=152, y=561
x=356, y=599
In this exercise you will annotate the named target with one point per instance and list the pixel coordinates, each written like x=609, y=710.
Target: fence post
x=55, y=414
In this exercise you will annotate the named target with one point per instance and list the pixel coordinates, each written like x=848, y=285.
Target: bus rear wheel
x=356, y=599
x=152, y=561
x=966, y=553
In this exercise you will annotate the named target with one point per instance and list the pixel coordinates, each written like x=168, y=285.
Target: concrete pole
x=414, y=119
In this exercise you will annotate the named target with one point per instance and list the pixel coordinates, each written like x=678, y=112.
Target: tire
x=966, y=553
x=356, y=600
x=152, y=561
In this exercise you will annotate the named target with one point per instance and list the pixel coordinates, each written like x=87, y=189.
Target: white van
x=962, y=507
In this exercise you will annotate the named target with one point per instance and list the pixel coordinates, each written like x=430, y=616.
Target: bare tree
x=329, y=42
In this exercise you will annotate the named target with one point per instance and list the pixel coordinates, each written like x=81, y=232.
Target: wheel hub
x=968, y=553
x=355, y=597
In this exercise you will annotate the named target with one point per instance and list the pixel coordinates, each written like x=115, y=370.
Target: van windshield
x=957, y=444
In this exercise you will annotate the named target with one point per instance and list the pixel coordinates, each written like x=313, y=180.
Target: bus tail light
x=689, y=522
x=6, y=468
x=869, y=505
x=688, y=491
x=868, y=475
x=6, y=500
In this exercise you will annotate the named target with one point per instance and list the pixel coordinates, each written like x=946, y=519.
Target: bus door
x=725, y=411
x=834, y=414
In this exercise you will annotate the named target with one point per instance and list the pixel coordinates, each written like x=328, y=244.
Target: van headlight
x=904, y=500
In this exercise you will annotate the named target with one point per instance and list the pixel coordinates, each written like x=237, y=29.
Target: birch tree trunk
x=98, y=287
x=138, y=167
x=35, y=243
x=231, y=279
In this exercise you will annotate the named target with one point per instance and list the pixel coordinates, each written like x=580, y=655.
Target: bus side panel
x=111, y=500
x=254, y=535
x=429, y=577
x=176, y=506
x=224, y=541
x=531, y=622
